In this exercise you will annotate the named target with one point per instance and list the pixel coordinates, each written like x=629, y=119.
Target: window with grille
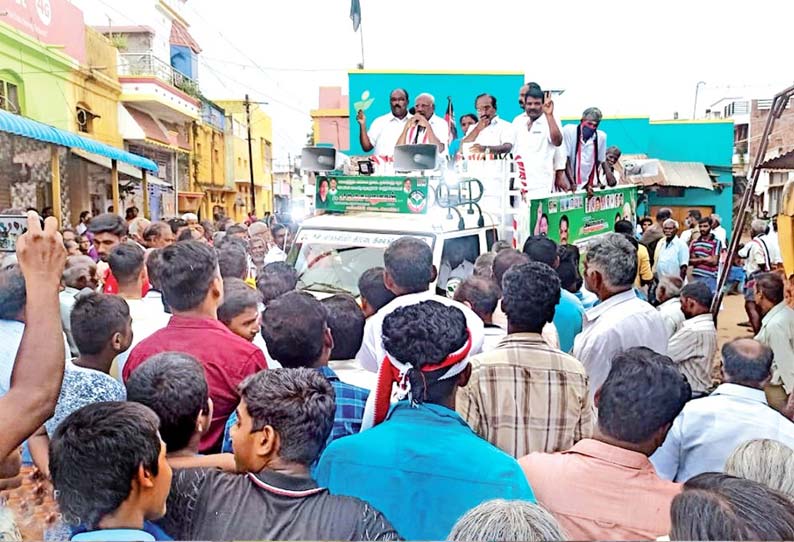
x=9, y=97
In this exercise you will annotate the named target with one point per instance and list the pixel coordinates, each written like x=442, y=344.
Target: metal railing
x=134, y=64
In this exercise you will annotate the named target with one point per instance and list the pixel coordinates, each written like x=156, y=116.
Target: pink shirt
x=601, y=492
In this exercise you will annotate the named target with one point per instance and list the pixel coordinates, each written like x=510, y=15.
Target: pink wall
x=334, y=130
x=54, y=22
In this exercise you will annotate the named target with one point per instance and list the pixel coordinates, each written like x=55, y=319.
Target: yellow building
x=209, y=163
x=237, y=164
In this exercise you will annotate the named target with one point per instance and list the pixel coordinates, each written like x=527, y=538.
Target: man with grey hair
x=425, y=127
x=500, y=520
x=586, y=147
x=717, y=229
x=621, y=320
x=78, y=275
x=671, y=256
x=757, y=260
x=667, y=293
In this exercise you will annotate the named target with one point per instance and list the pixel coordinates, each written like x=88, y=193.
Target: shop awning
x=21, y=126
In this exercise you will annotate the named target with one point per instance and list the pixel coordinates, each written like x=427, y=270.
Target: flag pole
x=361, y=35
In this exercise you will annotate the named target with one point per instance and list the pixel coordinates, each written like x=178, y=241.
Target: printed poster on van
x=397, y=194
x=575, y=218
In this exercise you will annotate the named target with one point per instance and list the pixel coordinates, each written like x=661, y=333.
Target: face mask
x=587, y=132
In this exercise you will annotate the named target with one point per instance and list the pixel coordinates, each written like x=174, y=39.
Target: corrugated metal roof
x=782, y=161
x=21, y=126
x=650, y=172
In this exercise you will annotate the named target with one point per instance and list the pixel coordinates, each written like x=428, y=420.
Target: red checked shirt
x=227, y=360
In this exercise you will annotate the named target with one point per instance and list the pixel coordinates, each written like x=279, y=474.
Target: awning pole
x=56, y=183
x=145, y=188
x=114, y=186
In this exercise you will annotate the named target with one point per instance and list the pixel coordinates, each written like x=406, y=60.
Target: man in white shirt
x=386, y=129
x=80, y=273
x=622, y=320
x=425, y=127
x=777, y=332
x=692, y=226
x=538, y=135
x=772, y=244
x=717, y=229
x=409, y=270
x=693, y=347
x=709, y=429
x=756, y=260
x=586, y=147
x=127, y=264
x=491, y=134
x=671, y=256
x=667, y=293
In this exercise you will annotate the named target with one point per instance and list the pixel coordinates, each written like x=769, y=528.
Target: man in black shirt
x=284, y=419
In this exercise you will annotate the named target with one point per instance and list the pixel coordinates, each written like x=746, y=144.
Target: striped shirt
x=705, y=247
x=693, y=348
x=525, y=396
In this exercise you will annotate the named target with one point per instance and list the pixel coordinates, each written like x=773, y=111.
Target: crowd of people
x=176, y=385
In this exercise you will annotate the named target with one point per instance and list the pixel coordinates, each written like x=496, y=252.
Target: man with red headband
x=421, y=465
x=586, y=147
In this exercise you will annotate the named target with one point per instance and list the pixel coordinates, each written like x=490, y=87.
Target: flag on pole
x=355, y=14
x=449, y=117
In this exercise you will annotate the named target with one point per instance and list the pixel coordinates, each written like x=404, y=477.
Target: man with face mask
x=586, y=148
x=538, y=135
x=425, y=126
x=386, y=129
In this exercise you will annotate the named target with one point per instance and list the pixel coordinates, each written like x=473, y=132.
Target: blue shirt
x=568, y=316
x=350, y=403
x=149, y=533
x=423, y=468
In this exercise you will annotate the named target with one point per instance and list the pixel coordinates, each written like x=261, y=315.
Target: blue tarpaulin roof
x=39, y=131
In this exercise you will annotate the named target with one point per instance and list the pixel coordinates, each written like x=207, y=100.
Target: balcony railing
x=135, y=64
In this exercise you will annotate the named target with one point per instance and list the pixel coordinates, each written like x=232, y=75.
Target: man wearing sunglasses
x=586, y=148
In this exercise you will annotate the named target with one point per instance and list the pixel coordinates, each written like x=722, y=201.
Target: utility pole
x=247, y=104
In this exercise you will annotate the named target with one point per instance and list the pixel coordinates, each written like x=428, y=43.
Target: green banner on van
x=398, y=194
x=575, y=218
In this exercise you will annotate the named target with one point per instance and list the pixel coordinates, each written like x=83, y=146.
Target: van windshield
x=332, y=261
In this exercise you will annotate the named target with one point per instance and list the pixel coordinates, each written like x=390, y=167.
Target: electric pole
x=247, y=104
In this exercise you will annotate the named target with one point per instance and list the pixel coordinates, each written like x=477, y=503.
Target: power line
x=275, y=68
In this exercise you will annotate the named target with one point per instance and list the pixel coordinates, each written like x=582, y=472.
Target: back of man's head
x=154, y=232
x=670, y=286
x=232, y=261
x=236, y=229
x=176, y=224
x=615, y=258
x=96, y=454
x=771, y=286
x=276, y=279
x=425, y=334
x=530, y=292
x=294, y=327
x=642, y=395
x=78, y=272
x=625, y=227
x=173, y=385
x=298, y=404
x=663, y=214
x=187, y=273
x=481, y=294
x=695, y=214
x=126, y=263
x=505, y=259
x=698, y=292
x=13, y=295
x=409, y=263
x=96, y=319
x=747, y=362
x=346, y=321
x=373, y=289
x=541, y=249
x=108, y=223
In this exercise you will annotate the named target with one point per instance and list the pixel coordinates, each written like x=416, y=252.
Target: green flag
x=355, y=14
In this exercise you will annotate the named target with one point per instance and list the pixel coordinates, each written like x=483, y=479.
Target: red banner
x=53, y=22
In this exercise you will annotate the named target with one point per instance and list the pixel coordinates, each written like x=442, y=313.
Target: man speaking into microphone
x=425, y=127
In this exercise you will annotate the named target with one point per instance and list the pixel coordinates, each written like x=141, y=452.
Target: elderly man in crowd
x=777, y=332
x=425, y=126
x=671, y=256
x=667, y=293
x=621, y=320
x=757, y=260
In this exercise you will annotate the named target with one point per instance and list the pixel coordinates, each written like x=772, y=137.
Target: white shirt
x=671, y=315
x=669, y=257
x=81, y=229
x=10, y=338
x=259, y=342
x=147, y=316
x=498, y=132
x=536, y=152
x=720, y=233
x=777, y=332
x=586, y=152
x=773, y=245
x=461, y=273
x=708, y=430
x=686, y=236
x=275, y=254
x=440, y=130
x=619, y=323
x=384, y=132
x=756, y=255
x=67, y=299
x=692, y=348
x=351, y=372
x=371, y=354
x=493, y=336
